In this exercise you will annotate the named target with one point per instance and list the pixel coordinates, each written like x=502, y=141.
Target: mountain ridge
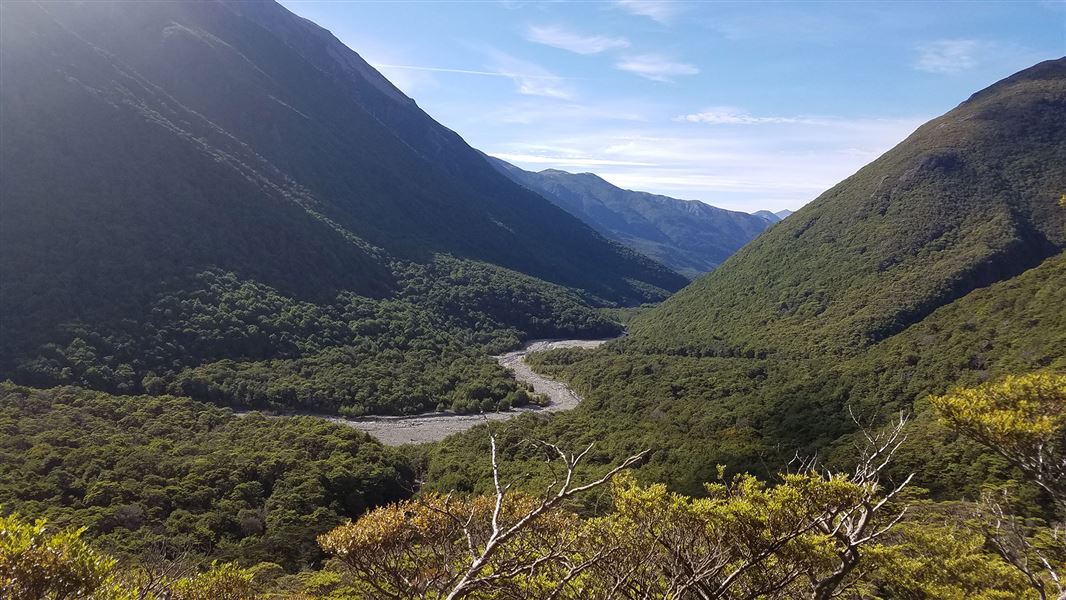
x=689, y=236
x=128, y=162
x=968, y=199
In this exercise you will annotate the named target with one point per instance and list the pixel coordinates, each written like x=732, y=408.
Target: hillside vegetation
x=722, y=382
x=169, y=476
x=147, y=143
x=970, y=198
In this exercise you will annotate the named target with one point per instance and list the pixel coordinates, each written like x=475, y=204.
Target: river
x=433, y=427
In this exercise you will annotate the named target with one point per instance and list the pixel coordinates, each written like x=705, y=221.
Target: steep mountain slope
x=968, y=199
x=145, y=142
x=688, y=236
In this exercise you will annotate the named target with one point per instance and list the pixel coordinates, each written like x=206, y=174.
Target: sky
x=746, y=106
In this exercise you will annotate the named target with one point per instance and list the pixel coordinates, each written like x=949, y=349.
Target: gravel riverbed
x=433, y=427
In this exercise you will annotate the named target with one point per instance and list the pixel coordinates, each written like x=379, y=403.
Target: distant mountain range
x=147, y=141
x=773, y=217
x=688, y=236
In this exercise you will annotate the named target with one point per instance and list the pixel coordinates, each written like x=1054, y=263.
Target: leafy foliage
x=147, y=474
x=221, y=339
x=1021, y=417
x=38, y=563
x=742, y=539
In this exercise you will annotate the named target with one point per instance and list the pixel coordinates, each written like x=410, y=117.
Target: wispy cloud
x=463, y=71
x=728, y=115
x=662, y=11
x=948, y=56
x=655, y=67
x=567, y=161
x=530, y=79
x=557, y=37
x=533, y=111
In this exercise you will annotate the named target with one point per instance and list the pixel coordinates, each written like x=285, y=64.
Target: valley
x=434, y=427
x=270, y=329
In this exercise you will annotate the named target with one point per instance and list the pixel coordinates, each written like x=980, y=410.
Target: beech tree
x=1022, y=418
x=802, y=537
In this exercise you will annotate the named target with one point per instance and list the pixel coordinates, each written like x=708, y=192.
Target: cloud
x=948, y=56
x=557, y=37
x=728, y=115
x=531, y=111
x=530, y=79
x=656, y=68
x=662, y=11
x=566, y=161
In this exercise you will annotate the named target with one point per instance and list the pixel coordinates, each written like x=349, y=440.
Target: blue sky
x=742, y=105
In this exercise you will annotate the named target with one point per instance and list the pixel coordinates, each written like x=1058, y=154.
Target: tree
x=746, y=539
x=37, y=563
x=438, y=546
x=1023, y=418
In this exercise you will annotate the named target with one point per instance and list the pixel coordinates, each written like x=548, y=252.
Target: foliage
x=696, y=411
x=38, y=563
x=810, y=534
x=221, y=582
x=147, y=475
x=1022, y=418
x=937, y=557
x=221, y=339
x=969, y=199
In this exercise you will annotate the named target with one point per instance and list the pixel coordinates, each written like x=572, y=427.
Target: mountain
x=969, y=199
x=773, y=217
x=688, y=236
x=147, y=142
x=939, y=264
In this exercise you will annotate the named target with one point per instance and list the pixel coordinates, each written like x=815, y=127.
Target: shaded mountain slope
x=147, y=141
x=970, y=198
x=688, y=236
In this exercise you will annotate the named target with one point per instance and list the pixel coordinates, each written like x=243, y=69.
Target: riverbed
x=433, y=427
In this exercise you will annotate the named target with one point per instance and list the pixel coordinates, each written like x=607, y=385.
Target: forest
x=221, y=224
x=813, y=532
x=217, y=338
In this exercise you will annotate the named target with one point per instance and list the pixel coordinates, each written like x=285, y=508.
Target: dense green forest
x=799, y=335
x=754, y=414
x=308, y=173
x=170, y=476
x=218, y=338
x=812, y=532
